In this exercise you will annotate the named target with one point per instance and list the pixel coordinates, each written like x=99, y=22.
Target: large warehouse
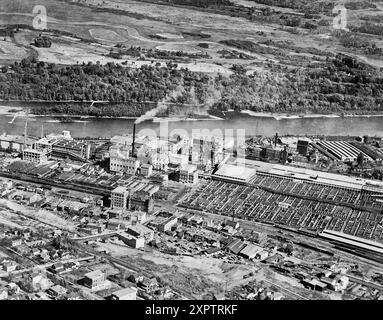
x=342, y=150
x=353, y=241
x=234, y=173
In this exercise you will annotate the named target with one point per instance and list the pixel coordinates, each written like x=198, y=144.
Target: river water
x=267, y=126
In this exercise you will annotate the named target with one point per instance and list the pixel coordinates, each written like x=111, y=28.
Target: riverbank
x=284, y=116
x=21, y=112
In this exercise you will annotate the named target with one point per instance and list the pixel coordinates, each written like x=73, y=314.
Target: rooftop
x=119, y=190
x=124, y=292
x=94, y=274
x=15, y=139
x=251, y=250
x=235, y=172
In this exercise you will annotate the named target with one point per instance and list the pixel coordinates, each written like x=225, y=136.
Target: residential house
x=9, y=265
x=57, y=268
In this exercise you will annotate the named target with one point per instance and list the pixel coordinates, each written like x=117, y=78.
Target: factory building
x=121, y=160
x=164, y=221
x=141, y=232
x=119, y=198
x=342, y=150
x=46, y=143
x=15, y=143
x=154, y=152
x=141, y=197
x=228, y=172
x=188, y=174
x=35, y=156
x=77, y=149
x=302, y=147
x=137, y=196
x=146, y=170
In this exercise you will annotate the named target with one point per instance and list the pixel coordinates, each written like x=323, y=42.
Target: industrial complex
x=305, y=209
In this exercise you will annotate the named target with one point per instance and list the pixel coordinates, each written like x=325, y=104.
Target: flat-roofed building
x=142, y=196
x=164, y=221
x=15, y=143
x=180, y=159
x=228, y=172
x=125, y=294
x=250, y=251
x=119, y=198
x=131, y=241
x=46, y=144
x=154, y=152
x=72, y=147
x=146, y=169
x=35, y=156
x=135, y=196
x=121, y=160
x=94, y=279
x=188, y=174
x=141, y=231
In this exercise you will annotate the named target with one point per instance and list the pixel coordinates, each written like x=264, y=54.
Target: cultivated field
x=150, y=26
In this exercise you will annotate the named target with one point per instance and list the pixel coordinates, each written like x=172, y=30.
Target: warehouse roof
x=352, y=240
x=236, y=246
x=235, y=172
x=251, y=250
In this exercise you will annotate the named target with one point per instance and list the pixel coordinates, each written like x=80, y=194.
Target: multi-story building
x=138, y=196
x=35, y=156
x=188, y=174
x=94, y=279
x=164, y=221
x=121, y=160
x=15, y=143
x=141, y=197
x=46, y=143
x=72, y=148
x=154, y=152
x=146, y=169
x=119, y=198
x=141, y=231
x=178, y=159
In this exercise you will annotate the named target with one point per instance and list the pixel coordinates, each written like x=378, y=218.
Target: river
x=267, y=126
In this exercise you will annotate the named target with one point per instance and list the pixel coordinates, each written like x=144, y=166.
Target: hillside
x=261, y=55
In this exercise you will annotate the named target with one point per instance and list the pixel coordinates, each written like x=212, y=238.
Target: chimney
x=134, y=141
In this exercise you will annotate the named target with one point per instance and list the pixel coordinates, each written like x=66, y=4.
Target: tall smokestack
x=134, y=140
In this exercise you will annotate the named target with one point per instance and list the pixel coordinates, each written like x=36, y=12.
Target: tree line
x=333, y=84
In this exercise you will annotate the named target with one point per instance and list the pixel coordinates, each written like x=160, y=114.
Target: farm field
x=150, y=26
x=267, y=43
